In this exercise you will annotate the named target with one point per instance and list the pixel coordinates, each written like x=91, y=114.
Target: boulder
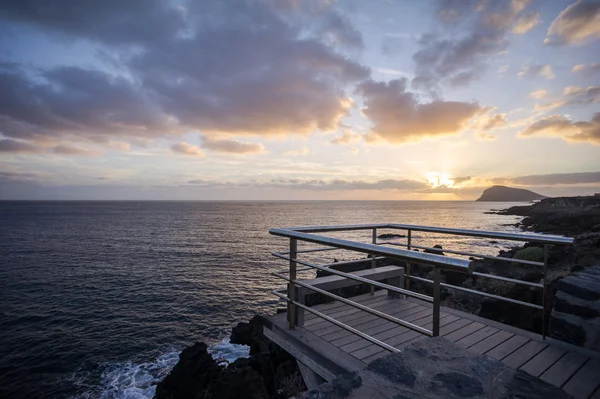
x=197, y=375
x=575, y=316
x=436, y=368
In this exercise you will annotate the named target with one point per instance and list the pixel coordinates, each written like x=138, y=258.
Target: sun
x=435, y=179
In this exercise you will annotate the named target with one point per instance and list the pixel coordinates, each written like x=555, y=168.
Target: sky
x=298, y=100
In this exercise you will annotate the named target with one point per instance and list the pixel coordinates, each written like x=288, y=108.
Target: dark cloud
x=236, y=67
x=565, y=128
x=398, y=116
x=232, y=146
x=445, y=58
x=15, y=146
x=73, y=101
x=577, y=24
x=460, y=179
x=343, y=185
x=108, y=21
x=559, y=178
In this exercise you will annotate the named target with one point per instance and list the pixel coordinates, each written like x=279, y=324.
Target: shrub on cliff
x=534, y=254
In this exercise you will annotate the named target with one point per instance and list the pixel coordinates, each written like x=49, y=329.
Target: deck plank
x=562, y=370
x=524, y=354
x=477, y=336
x=490, y=342
x=585, y=381
x=347, y=310
x=376, y=329
x=463, y=332
x=543, y=361
x=507, y=347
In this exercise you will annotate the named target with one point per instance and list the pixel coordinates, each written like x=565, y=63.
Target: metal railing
x=391, y=250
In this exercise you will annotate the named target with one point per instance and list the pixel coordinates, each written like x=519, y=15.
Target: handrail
x=377, y=250
x=454, y=264
x=537, y=238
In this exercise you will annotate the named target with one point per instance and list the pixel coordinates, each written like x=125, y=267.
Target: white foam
x=138, y=381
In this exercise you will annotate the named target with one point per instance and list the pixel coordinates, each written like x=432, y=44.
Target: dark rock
x=493, y=242
x=437, y=249
x=566, y=328
x=394, y=369
x=581, y=285
x=197, y=375
x=456, y=384
x=250, y=334
x=561, y=304
x=194, y=372
x=436, y=368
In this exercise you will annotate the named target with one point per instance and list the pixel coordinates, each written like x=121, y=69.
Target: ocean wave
x=138, y=380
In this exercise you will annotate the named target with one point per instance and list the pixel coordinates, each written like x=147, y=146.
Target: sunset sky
x=290, y=99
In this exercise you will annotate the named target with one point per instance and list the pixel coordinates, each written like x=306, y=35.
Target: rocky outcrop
x=575, y=315
x=436, y=368
x=508, y=194
x=198, y=375
x=269, y=372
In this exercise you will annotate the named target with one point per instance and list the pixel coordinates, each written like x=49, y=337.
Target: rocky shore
x=269, y=372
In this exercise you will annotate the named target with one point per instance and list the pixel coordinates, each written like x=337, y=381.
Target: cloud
x=15, y=146
x=526, y=23
x=563, y=127
x=587, y=69
x=187, y=149
x=112, y=21
x=503, y=69
x=236, y=68
x=398, y=116
x=71, y=150
x=573, y=96
x=24, y=147
x=232, y=146
x=495, y=121
x=343, y=185
x=304, y=151
x=558, y=178
x=538, y=94
x=577, y=24
x=448, y=58
x=537, y=71
x=347, y=137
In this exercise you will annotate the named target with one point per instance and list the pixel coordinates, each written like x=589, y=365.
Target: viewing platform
x=350, y=332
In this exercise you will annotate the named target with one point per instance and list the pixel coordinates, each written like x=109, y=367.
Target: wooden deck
x=575, y=370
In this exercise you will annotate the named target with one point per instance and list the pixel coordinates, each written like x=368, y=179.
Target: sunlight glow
x=436, y=179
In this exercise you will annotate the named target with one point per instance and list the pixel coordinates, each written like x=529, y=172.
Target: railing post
x=291, y=308
x=436, y=302
x=373, y=261
x=544, y=292
x=407, y=278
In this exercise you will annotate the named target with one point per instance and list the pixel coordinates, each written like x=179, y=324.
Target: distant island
x=508, y=194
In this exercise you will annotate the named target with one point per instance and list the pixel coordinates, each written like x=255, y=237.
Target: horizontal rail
x=370, y=282
x=455, y=264
x=327, y=265
x=508, y=280
x=304, y=251
x=364, y=308
x=338, y=323
x=539, y=238
x=501, y=298
x=450, y=251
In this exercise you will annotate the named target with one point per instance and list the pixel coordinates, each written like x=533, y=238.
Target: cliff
x=508, y=194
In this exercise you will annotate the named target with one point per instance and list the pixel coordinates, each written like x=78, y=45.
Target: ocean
x=97, y=299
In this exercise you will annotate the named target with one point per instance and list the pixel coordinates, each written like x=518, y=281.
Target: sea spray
x=131, y=380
